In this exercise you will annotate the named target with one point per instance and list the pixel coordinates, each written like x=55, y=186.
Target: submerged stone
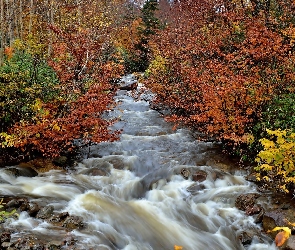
x=45, y=212
x=73, y=222
x=199, y=176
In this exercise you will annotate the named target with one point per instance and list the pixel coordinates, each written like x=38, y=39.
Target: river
x=141, y=200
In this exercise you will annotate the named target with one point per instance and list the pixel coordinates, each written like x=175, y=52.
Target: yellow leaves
x=279, y=133
x=157, y=66
x=18, y=44
x=178, y=247
x=205, y=29
x=56, y=127
x=284, y=189
x=267, y=143
x=37, y=105
x=33, y=45
x=290, y=33
x=7, y=140
x=265, y=156
x=266, y=167
x=278, y=156
x=236, y=27
x=282, y=236
x=249, y=138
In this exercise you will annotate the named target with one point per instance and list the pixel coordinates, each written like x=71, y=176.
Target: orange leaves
x=85, y=66
x=220, y=71
x=282, y=236
x=128, y=35
x=76, y=120
x=8, y=51
x=262, y=44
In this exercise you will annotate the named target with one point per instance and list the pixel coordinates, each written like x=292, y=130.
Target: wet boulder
x=54, y=245
x=256, y=209
x=247, y=203
x=22, y=170
x=73, y=222
x=128, y=86
x=259, y=217
x=185, y=173
x=27, y=243
x=251, y=177
x=5, y=237
x=217, y=174
x=57, y=218
x=31, y=207
x=195, y=188
x=246, y=237
x=17, y=203
x=117, y=162
x=199, y=176
x=249, y=235
x=155, y=179
x=42, y=165
x=96, y=172
x=45, y=212
x=60, y=161
x=277, y=218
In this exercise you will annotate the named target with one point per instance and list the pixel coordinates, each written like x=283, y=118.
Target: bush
x=45, y=109
x=25, y=80
x=276, y=160
x=276, y=114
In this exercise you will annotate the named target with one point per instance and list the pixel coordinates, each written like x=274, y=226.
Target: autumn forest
x=223, y=68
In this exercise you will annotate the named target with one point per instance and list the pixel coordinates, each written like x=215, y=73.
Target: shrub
x=276, y=160
x=24, y=81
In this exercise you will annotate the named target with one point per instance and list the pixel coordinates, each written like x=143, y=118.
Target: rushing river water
x=141, y=201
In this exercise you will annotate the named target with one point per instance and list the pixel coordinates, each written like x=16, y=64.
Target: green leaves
x=5, y=214
x=23, y=80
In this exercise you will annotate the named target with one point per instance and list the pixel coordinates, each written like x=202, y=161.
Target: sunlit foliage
x=276, y=160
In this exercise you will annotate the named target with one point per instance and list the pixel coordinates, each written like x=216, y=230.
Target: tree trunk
x=21, y=25
x=2, y=32
x=31, y=16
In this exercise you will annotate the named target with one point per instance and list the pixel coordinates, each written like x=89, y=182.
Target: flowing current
x=140, y=200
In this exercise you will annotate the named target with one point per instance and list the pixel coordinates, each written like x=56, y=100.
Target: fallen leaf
x=281, y=237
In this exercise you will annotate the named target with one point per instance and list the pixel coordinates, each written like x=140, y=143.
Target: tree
x=215, y=69
x=70, y=105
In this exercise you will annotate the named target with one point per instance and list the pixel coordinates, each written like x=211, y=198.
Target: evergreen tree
x=150, y=23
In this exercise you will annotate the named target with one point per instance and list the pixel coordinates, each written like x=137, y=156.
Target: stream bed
x=154, y=189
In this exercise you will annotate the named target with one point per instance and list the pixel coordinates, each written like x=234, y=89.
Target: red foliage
x=55, y=132
x=221, y=67
x=85, y=93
